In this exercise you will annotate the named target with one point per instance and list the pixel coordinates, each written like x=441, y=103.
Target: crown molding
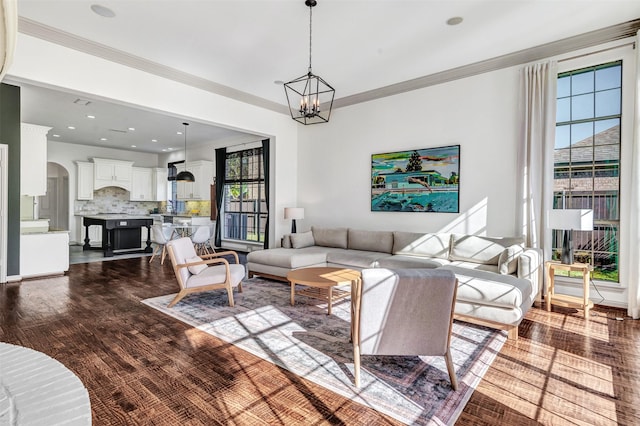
x=560, y=47
x=62, y=38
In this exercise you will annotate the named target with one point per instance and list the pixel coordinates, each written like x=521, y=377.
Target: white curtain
x=538, y=84
x=634, y=225
x=8, y=33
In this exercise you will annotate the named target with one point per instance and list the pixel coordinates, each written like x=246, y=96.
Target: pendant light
x=310, y=98
x=185, y=176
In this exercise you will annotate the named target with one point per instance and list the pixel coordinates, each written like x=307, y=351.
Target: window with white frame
x=587, y=162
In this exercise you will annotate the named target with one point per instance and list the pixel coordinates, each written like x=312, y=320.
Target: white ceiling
x=358, y=45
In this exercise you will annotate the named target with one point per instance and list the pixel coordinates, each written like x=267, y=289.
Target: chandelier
x=310, y=98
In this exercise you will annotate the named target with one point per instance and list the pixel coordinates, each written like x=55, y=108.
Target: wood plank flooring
x=144, y=368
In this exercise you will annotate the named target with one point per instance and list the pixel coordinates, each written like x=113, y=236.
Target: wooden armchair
x=403, y=312
x=194, y=274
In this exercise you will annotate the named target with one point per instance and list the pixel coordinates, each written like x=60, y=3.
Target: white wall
x=73, y=70
x=478, y=113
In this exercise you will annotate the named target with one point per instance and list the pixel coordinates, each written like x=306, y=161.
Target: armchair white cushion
x=218, y=272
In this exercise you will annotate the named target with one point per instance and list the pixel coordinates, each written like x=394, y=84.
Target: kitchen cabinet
x=200, y=189
x=33, y=159
x=112, y=173
x=161, y=184
x=55, y=245
x=84, y=180
x=142, y=184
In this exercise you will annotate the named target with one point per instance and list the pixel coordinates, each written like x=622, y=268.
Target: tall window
x=245, y=207
x=587, y=161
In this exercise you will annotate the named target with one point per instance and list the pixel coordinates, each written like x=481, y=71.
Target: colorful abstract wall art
x=419, y=180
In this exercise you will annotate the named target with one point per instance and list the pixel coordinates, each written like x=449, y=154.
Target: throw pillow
x=195, y=269
x=301, y=240
x=508, y=261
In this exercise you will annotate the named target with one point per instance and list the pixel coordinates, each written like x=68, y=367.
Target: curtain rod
x=633, y=43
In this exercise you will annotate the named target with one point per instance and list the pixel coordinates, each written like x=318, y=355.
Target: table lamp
x=569, y=220
x=293, y=213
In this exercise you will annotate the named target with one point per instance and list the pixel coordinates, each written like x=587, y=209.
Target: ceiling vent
x=117, y=130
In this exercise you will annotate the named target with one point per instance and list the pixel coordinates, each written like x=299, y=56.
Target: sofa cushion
x=302, y=240
x=476, y=249
x=370, y=240
x=489, y=288
x=508, y=261
x=330, y=237
x=407, y=262
x=354, y=258
x=288, y=258
x=477, y=266
x=421, y=244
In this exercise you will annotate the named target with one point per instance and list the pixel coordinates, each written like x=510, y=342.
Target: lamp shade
x=185, y=176
x=571, y=219
x=293, y=213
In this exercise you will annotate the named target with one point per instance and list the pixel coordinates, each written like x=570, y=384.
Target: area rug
x=306, y=341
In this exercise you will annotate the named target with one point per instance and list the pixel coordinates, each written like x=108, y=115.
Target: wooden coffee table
x=320, y=283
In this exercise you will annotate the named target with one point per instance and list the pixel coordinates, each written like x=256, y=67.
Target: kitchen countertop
x=117, y=216
x=55, y=231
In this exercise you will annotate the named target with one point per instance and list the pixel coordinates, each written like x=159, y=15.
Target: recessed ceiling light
x=454, y=21
x=102, y=11
x=132, y=129
x=91, y=116
x=169, y=149
x=133, y=146
x=71, y=128
x=163, y=150
x=56, y=136
x=103, y=139
x=178, y=133
x=154, y=140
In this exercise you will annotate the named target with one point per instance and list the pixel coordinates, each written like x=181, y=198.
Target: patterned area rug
x=307, y=342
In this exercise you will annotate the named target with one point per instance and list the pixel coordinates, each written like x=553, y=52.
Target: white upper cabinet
x=112, y=173
x=161, y=184
x=142, y=184
x=85, y=180
x=201, y=188
x=33, y=159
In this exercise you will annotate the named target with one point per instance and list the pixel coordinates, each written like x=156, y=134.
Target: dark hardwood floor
x=144, y=368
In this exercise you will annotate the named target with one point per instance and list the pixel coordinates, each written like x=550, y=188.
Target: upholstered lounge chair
x=403, y=312
x=210, y=273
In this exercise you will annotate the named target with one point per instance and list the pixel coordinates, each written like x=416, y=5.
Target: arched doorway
x=54, y=205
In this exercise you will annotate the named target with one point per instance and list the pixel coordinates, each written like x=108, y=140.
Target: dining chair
x=160, y=236
x=200, y=239
x=403, y=312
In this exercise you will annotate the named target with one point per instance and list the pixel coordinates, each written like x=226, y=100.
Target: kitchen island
x=120, y=233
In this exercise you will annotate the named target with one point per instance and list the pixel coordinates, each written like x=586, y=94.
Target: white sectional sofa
x=498, y=278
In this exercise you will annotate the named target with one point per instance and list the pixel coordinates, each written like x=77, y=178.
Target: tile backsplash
x=116, y=200
x=113, y=200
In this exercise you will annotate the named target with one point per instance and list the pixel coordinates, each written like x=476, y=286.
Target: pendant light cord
x=310, y=32
x=185, y=145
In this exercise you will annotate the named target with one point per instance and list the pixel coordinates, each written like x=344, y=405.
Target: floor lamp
x=293, y=213
x=569, y=220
